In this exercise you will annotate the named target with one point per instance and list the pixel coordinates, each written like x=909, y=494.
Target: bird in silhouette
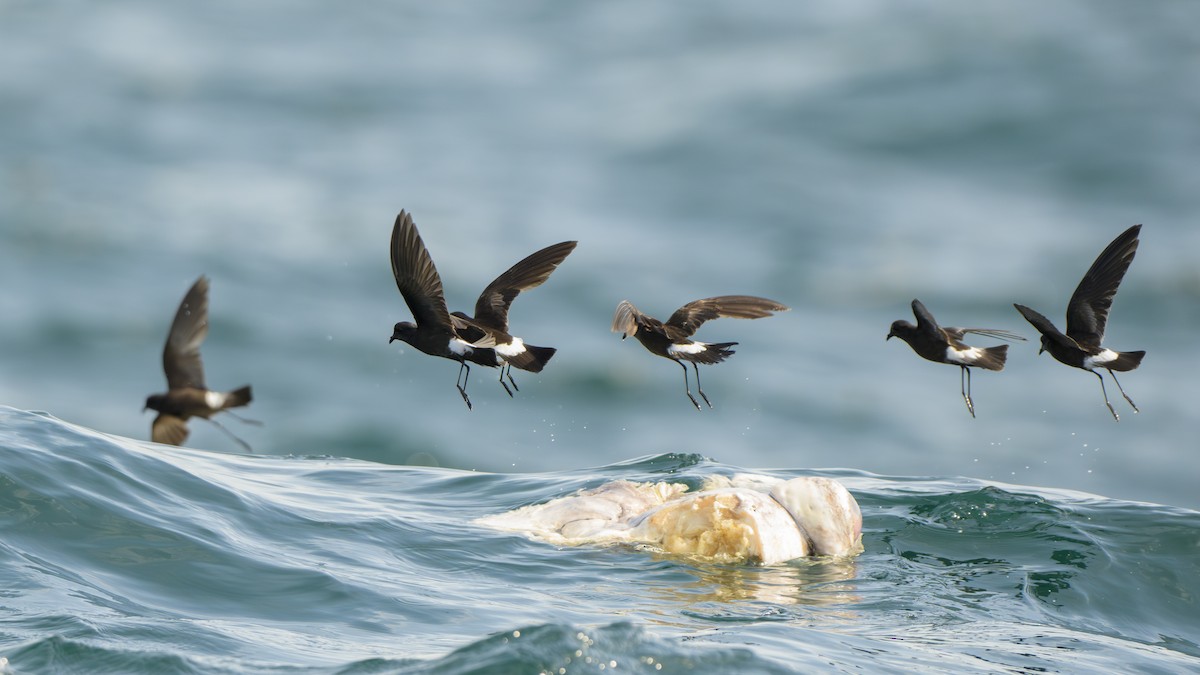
x=672, y=339
x=435, y=332
x=491, y=312
x=187, y=396
x=944, y=345
x=1087, y=315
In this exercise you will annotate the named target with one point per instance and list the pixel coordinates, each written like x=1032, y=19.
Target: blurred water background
x=842, y=158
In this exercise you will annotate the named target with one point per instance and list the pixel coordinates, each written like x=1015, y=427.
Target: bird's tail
x=237, y=398
x=714, y=352
x=1126, y=361
x=532, y=359
x=993, y=358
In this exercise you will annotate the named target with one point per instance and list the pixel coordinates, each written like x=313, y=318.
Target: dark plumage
x=187, y=396
x=435, y=331
x=1087, y=316
x=491, y=311
x=944, y=345
x=672, y=339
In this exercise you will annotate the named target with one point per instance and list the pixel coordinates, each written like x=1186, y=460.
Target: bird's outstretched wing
x=169, y=430
x=1087, y=312
x=687, y=319
x=926, y=324
x=181, y=355
x=491, y=310
x=999, y=334
x=1042, y=324
x=471, y=331
x=416, y=277
x=626, y=318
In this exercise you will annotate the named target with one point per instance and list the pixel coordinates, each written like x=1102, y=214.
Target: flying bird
x=944, y=345
x=483, y=340
x=491, y=312
x=187, y=396
x=1087, y=315
x=435, y=331
x=672, y=339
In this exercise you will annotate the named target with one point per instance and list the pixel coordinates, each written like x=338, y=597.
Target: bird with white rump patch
x=672, y=340
x=1087, y=316
x=944, y=345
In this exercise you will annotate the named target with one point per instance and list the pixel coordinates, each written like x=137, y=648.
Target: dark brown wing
x=491, y=309
x=181, y=355
x=626, y=318
x=168, y=429
x=926, y=324
x=416, y=277
x=1045, y=326
x=998, y=333
x=684, y=322
x=471, y=331
x=1087, y=312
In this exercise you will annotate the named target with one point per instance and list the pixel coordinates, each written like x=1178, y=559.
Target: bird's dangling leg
x=699, y=390
x=243, y=420
x=686, y=389
x=462, y=388
x=1131, y=403
x=229, y=433
x=965, y=380
x=1105, y=392
x=505, y=367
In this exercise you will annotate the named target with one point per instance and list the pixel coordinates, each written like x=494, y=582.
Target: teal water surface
x=122, y=556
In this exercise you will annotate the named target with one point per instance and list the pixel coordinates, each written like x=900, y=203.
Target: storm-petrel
x=436, y=331
x=944, y=345
x=1087, y=314
x=491, y=312
x=671, y=339
x=187, y=396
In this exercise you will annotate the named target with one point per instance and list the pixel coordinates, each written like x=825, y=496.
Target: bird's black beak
x=391, y=339
x=1040, y=350
x=624, y=335
x=889, y=337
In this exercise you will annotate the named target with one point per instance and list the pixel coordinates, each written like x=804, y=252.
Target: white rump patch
x=1105, y=356
x=514, y=348
x=215, y=399
x=964, y=356
x=461, y=347
x=689, y=348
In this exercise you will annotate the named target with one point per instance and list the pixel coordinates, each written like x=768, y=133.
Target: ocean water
x=122, y=556
x=842, y=158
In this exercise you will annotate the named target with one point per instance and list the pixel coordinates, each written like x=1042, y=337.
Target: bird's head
x=899, y=329
x=155, y=402
x=1045, y=344
x=403, y=331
